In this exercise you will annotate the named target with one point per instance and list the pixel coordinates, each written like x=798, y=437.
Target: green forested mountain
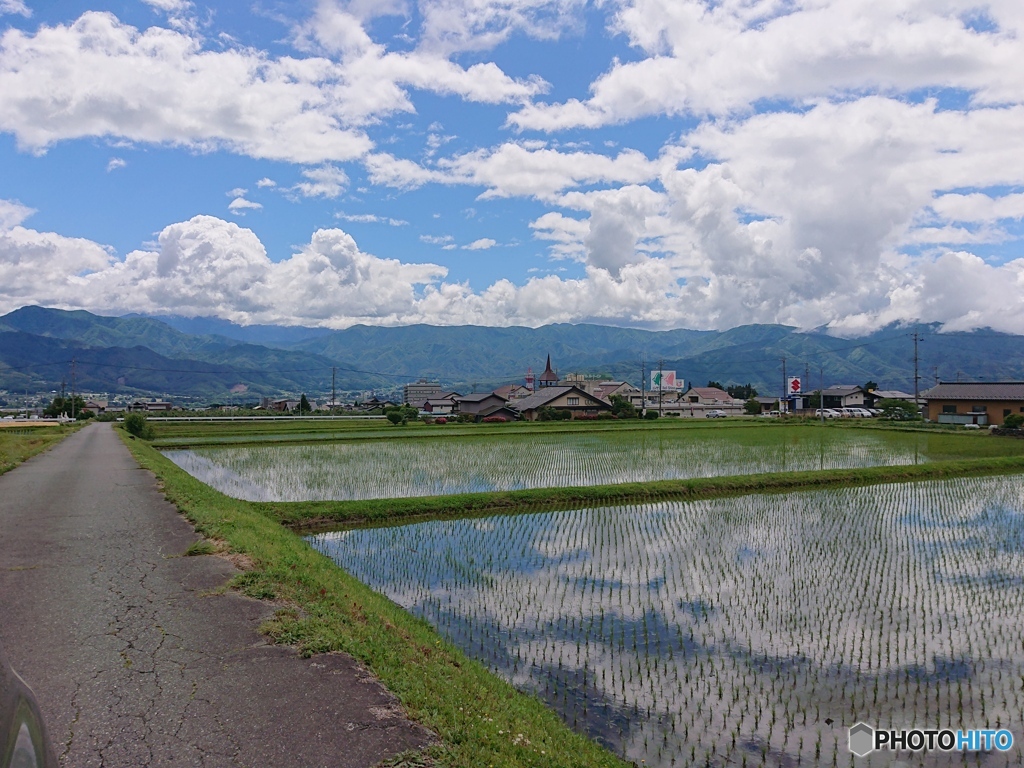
x=87, y=329
x=464, y=356
x=146, y=355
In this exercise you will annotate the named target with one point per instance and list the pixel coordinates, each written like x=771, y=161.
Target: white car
x=715, y=414
x=828, y=413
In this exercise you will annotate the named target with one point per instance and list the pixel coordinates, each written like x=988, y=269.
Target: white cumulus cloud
x=209, y=267
x=240, y=205
x=326, y=181
x=13, y=213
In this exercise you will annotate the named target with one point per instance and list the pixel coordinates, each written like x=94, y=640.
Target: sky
x=644, y=163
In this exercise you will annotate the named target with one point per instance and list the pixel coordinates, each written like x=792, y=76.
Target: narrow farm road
x=132, y=662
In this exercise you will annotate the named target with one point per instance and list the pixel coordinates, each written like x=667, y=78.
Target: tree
x=742, y=392
x=304, y=406
x=899, y=410
x=870, y=386
x=400, y=414
x=136, y=424
x=622, y=408
x=1014, y=421
x=752, y=407
x=814, y=399
x=715, y=384
x=64, y=405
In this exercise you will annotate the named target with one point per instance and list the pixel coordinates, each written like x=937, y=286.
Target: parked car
x=829, y=413
x=715, y=413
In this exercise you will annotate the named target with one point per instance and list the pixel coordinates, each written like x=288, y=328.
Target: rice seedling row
x=405, y=468
x=743, y=631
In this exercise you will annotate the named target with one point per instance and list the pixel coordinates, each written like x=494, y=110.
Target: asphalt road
x=132, y=663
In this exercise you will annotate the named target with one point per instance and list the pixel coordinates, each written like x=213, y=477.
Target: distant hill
x=137, y=355
x=467, y=355
x=148, y=355
x=265, y=335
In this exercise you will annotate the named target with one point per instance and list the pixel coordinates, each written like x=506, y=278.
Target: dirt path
x=131, y=662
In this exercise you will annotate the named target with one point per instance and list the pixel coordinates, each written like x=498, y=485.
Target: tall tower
x=531, y=382
x=549, y=378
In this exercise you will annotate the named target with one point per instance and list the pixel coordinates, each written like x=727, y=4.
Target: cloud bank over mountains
x=843, y=162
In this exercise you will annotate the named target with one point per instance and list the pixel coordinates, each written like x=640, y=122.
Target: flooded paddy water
x=391, y=468
x=739, y=631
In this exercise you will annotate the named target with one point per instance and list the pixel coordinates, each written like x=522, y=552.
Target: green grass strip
x=323, y=515
x=18, y=444
x=480, y=719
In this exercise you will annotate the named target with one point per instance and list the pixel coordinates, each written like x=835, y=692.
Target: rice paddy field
x=745, y=631
x=397, y=467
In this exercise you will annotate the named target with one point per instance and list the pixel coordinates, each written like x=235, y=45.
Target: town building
x=549, y=378
x=283, y=404
x=846, y=396
x=572, y=399
x=891, y=394
x=501, y=412
x=151, y=406
x=421, y=391
x=479, y=402
x=981, y=403
x=710, y=396
x=513, y=391
x=441, y=407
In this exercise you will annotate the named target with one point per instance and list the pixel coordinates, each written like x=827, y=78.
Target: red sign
x=794, y=385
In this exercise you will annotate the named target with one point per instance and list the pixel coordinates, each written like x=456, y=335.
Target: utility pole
x=72, y=389
x=661, y=377
x=782, y=400
x=821, y=392
x=935, y=372
x=643, y=384
x=917, y=378
x=805, y=383
x=334, y=396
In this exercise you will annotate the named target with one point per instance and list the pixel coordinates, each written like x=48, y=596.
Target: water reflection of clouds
x=806, y=601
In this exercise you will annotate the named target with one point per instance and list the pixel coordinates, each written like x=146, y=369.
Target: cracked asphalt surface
x=132, y=662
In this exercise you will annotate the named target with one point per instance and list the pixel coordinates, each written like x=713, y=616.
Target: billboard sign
x=665, y=380
x=794, y=386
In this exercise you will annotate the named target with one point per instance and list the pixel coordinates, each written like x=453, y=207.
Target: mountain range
x=208, y=358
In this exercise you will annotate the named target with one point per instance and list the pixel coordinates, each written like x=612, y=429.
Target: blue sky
x=648, y=163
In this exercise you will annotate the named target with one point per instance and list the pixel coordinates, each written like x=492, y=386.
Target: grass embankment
x=480, y=719
x=19, y=444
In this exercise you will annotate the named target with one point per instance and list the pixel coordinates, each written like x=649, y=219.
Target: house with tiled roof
x=712, y=396
x=513, y=391
x=846, y=396
x=478, y=402
x=985, y=403
x=572, y=399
